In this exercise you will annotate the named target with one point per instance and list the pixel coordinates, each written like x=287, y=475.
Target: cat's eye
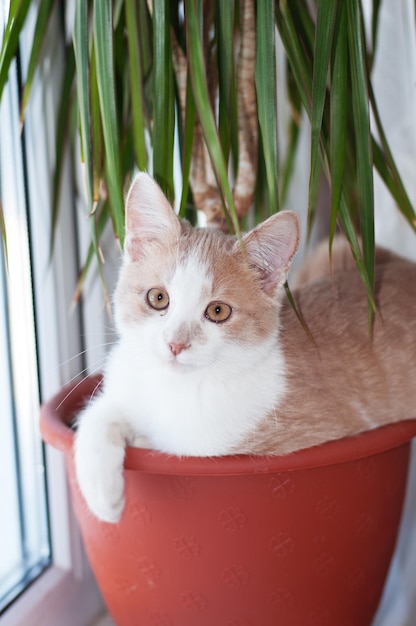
x=218, y=312
x=158, y=299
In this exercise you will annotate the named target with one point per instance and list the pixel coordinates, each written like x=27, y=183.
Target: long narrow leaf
x=300, y=68
x=96, y=129
x=300, y=65
x=304, y=25
x=225, y=71
x=339, y=112
x=323, y=44
x=136, y=83
x=300, y=59
x=117, y=11
x=395, y=185
x=61, y=133
x=374, y=31
x=399, y=195
x=145, y=39
x=80, y=41
x=289, y=164
x=103, y=41
x=3, y=234
x=362, y=135
x=350, y=233
x=266, y=94
x=199, y=85
x=188, y=136
x=298, y=314
x=15, y=22
x=163, y=98
x=315, y=185
x=41, y=27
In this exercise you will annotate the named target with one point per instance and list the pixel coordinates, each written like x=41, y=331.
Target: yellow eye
x=158, y=299
x=218, y=312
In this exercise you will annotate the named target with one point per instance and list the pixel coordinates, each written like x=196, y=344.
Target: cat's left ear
x=271, y=247
x=150, y=219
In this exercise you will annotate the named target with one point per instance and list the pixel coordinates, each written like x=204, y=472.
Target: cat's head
x=195, y=296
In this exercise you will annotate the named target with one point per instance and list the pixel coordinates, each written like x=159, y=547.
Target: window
x=44, y=574
x=24, y=535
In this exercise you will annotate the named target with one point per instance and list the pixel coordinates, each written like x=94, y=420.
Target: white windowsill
x=56, y=597
x=104, y=620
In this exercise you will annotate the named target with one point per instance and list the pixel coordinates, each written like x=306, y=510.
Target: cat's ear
x=150, y=218
x=270, y=248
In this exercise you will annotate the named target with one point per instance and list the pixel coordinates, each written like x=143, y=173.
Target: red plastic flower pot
x=299, y=540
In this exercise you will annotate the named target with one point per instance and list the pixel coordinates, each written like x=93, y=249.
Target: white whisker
x=94, y=371
x=94, y=391
x=83, y=352
x=81, y=374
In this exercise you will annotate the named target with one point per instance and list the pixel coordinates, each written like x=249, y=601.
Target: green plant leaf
x=360, y=110
x=305, y=26
x=136, y=83
x=104, y=56
x=3, y=234
x=202, y=102
x=376, y=5
x=41, y=27
x=145, y=39
x=64, y=112
x=314, y=186
x=266, y=94
x=299, y=58
x=81, y=44
x=288, y=166
x=80, y=41
x=96, y=129
x=225, y=71
x=396, y=189
x=188, y=137
x=388, y=170
x=351, y=235
x=297, y=312
x=15, y=22
x=301, y=69
x=117, y=11
x=163, y=99
x=323, y=43
x=339, y=114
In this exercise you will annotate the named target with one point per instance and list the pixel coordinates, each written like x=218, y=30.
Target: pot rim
x=58, y=413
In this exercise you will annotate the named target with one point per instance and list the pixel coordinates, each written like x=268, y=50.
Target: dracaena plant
x=142, y=73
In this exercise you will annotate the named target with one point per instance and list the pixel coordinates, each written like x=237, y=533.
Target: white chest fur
x=195, y=412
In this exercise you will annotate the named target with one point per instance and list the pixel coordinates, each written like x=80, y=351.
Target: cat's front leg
x=99, y=456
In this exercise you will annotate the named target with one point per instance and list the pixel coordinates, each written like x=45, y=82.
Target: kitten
x=212, y=360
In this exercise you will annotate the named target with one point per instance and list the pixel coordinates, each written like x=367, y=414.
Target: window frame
x=66, y=592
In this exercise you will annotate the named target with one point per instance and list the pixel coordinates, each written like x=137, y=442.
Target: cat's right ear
x=150, y=219
x=270, y=249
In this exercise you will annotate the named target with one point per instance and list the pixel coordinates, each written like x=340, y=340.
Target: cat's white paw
x=100, y=479
x=103, y=490
x=99, y=468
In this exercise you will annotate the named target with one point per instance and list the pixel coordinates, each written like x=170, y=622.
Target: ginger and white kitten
x=212, y=360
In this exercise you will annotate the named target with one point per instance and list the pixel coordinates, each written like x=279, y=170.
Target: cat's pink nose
x=177, y=348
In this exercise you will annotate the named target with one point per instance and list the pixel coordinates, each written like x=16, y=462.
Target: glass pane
x=24, y=533
x=10, y=540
